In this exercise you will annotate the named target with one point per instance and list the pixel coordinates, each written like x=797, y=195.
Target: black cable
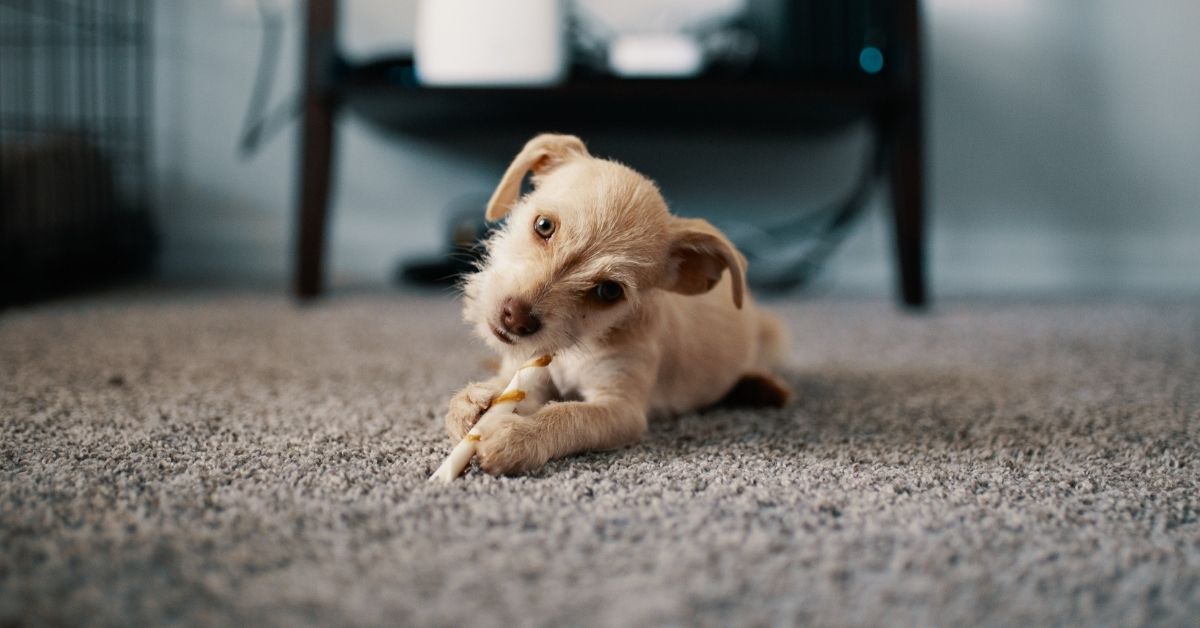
x=261, y=125
x=821, y=231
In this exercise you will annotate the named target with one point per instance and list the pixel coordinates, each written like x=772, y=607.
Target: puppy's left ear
x=699, y=254
x=541, y=155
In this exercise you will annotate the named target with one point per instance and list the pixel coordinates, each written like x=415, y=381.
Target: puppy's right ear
x=700, y=253
x=540, y=155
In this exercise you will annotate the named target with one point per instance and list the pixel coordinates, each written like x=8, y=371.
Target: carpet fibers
x=233, y=459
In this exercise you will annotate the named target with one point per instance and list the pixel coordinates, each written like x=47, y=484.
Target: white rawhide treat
x=527, y=391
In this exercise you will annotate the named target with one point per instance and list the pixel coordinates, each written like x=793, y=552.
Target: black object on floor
x=464, y=237
x=63, y=225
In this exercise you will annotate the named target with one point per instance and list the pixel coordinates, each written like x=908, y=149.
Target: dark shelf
x=388, y=94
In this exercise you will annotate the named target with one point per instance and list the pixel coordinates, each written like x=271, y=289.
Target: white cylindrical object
x=673, y=55
x=491, y=43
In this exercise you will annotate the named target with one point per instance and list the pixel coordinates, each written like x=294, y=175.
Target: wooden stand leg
x=315, y=172
x=906, y=159
x=908, y=200
x=316, y=148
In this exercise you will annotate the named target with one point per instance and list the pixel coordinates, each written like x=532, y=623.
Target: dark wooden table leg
x=316, y=147
x=908, y=200
x=906, y=173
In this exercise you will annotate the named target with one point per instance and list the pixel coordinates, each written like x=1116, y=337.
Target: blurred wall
x=1064, y=146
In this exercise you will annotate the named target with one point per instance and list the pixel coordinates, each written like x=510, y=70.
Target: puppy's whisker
x=579, y=345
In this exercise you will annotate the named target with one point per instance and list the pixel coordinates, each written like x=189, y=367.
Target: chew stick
x=526, y=392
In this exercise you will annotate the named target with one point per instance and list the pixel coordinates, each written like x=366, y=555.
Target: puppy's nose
x=517, y=317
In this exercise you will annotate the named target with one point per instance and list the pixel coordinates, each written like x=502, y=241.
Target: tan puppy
x=634, y=303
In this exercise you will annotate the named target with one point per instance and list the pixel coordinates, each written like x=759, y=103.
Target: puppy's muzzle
x=518, y=319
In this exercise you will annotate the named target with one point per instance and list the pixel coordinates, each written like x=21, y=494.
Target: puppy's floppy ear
x=540, y=155
x=699, y=254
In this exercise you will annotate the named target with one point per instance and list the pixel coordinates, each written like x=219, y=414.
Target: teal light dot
x=870, y=60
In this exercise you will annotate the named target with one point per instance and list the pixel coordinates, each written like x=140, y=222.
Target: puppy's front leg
x=468, y=404
x=514, y=444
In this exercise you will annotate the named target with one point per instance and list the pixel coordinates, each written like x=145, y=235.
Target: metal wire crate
x=75, y=116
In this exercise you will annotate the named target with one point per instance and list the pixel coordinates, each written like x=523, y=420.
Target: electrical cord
x=791, y=253
x=260, y=125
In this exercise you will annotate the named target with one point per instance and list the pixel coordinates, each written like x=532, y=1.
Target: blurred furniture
x=388, y=92
x=74, y=143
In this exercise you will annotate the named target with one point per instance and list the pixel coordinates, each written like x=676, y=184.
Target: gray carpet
x=222, y=459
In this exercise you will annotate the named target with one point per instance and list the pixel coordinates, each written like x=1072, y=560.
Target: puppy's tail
x=773, y=342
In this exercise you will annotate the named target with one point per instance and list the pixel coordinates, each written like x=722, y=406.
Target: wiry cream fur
x=683, y=335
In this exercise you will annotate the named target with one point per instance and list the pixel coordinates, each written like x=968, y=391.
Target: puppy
x=646, y=313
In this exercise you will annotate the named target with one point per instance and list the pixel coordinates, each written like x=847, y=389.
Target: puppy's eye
x=544, y=227
x=609, y=291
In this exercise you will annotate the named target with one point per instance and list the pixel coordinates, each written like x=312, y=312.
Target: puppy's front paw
x=508, y=445
x=466, y=407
